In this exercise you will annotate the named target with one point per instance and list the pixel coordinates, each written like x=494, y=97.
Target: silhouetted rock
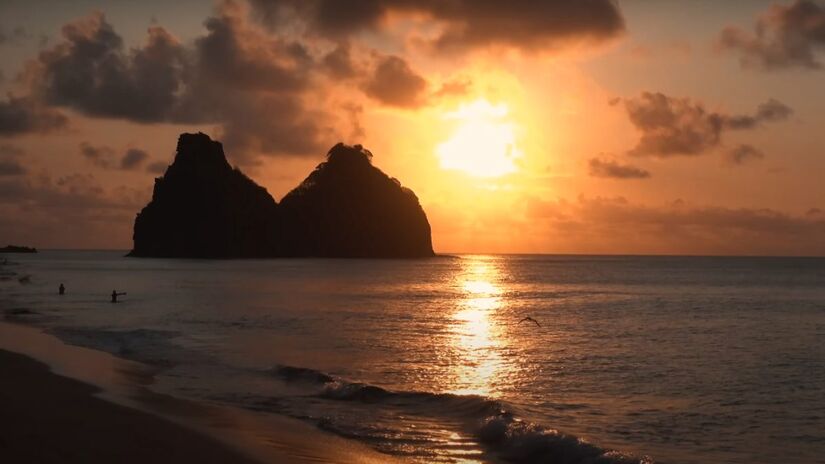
x=202, y=208
x=17, y=249
x=349, y=208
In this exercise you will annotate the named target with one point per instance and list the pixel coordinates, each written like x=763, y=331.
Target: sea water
x=630, y=359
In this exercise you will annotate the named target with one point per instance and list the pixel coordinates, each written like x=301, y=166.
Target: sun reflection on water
x=477, y=338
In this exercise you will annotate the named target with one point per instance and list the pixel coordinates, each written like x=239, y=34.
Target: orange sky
x=542, y=127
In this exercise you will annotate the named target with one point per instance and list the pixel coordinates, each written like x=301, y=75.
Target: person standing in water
x=61, y=289
x=115, y=295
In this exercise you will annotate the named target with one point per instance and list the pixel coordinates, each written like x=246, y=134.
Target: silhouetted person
x=115, y=295
x=61, y=289
x=530, y=319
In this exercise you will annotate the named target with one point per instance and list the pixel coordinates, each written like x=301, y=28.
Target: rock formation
x=203, y=208
x=349, y=208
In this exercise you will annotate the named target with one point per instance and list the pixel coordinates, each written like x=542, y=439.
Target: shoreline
x=68, y=404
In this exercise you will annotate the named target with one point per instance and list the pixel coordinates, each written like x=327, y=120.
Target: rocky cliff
x=349, y=208
x=203, y=208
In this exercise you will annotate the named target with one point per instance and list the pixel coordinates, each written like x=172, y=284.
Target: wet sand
x=87, y=406
x=48, y=418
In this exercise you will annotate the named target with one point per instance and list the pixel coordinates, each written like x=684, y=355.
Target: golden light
x=477, y=338
x=484, y=142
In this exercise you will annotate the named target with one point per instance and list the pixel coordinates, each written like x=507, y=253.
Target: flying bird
x=530, y=319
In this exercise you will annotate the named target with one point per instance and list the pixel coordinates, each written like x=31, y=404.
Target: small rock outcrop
x=349, y=208
x=17, y=249
x=203, y=208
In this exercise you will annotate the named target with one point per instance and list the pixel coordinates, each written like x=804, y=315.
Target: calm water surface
x=684, y=360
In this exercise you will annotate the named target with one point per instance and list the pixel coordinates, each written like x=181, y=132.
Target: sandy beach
x=109, y=415
x=49, y=418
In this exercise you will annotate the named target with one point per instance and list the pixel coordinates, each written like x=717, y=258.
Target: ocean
x=630, y=359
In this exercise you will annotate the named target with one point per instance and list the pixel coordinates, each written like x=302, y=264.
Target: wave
x=493, y=423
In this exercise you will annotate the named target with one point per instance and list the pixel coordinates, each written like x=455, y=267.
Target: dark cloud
x=394, y=83
x=90, y=72
x=770, y=111
x=681, y=126
x=100, y=156
x=743, y=154
x=157, y=167
x=21, y=115
x=106, y=157
x=525, y=24
x=245, y=80
x=339, y=63
x=133, y=159
x=785, y=36
x=773, y=110
x=235, y=55
x=615, y=170
x=255, y=85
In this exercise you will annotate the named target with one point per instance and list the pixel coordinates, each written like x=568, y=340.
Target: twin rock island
x=346, y=208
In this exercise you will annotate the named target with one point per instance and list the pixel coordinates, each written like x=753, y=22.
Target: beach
x=632, y=359
x=111, y=416
x=49, y=418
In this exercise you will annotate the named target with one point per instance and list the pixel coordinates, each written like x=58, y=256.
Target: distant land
x=346, y=208
x=17, y=249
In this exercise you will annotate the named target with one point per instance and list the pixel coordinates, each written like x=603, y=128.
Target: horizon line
x=449, y=254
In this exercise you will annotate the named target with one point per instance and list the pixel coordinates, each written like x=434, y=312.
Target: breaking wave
x=492, y=423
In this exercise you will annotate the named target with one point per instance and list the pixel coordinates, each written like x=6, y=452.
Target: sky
x=526, y=126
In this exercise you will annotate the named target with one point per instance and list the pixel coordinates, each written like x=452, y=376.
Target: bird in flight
x=530, y=319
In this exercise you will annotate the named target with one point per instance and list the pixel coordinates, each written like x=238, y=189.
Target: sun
x=483, y=143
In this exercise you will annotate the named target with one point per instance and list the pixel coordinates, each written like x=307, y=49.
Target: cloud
x=14, y=36
x=9, y=161
x=339, y=62
x=769, y=111
x=454, y=87
x=465, y=24
x=238, y=56
x=133, y=158
x=615, y=170
x=602, y=224
x=394, y=83
x=743, y=154
x=157, y=167
x=11, y=168
x=681, y=126
x=106, y=158
x=100, y=156
x=11, y=150
x=22, y=115
x=91, y=72
x=250, y=83
x=784, y=37
x=70, y=211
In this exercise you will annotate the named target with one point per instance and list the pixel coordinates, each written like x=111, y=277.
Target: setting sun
x=484, y=142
